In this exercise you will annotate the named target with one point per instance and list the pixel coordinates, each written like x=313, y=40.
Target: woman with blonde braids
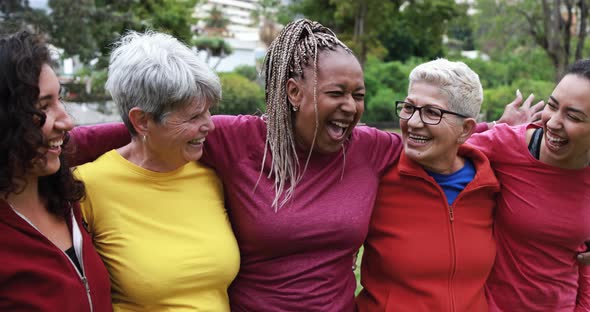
x=300, y=182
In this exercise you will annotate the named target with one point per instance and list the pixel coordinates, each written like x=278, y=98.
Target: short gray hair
x=455, y=79
x=158, y=74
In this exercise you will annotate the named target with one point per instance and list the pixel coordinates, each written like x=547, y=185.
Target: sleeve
x=485, y=141
x=89, y=142
x=231, y=139
x=383, y=148
x=85, y=206
x=583, y=298
x=481, y=127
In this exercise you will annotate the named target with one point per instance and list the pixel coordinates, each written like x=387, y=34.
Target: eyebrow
x=575, y=110
x=343, y=86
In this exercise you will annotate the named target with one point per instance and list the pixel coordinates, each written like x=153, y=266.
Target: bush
x=381, y=107
x=495, y=99
x=247, y=71
x=240, y=95
x=385, y=83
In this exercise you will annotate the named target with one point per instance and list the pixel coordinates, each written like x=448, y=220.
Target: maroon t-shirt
x=300, y=257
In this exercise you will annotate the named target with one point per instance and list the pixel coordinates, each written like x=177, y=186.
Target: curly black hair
x=22, y=56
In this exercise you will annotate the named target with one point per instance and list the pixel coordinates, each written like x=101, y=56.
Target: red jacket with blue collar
x=35, y=275
x=422, y=254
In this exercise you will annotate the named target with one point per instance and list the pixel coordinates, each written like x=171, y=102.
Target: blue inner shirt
x=452, y=184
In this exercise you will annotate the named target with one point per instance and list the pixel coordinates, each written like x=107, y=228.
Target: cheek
x=360, y=108
x=546, y=114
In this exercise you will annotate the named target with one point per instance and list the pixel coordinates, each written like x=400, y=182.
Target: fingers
x=517, y=100
x=528, y=101
x=537, y=112
x=584, y=258
x=537, y=108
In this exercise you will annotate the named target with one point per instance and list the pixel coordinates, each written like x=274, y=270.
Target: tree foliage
x=18, y=14
x=559, y=27
x=391, y=30
x=87, y=27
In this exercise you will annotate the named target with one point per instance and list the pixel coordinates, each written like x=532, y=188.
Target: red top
x=542, y=221
x=35, y=275
x=422, y=254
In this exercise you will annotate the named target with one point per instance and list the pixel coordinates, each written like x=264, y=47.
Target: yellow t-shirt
x=164, y=237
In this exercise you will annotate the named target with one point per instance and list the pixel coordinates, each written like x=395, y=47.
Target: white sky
x=38, y=4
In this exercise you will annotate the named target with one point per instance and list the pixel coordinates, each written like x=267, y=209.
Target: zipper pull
x=85, y=282
x=451, y=214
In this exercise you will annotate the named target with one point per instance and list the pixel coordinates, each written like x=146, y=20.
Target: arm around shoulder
x=89, y=142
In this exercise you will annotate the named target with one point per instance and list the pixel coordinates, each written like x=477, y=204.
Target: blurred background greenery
x=507, y=42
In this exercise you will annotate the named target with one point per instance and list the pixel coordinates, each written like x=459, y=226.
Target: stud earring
x=294, y=108
x=144, y=138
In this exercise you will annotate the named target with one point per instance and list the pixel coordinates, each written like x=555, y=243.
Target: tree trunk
x=359, y=31
x=583, y=6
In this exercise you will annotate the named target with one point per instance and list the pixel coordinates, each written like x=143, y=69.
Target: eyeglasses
x=429, y=115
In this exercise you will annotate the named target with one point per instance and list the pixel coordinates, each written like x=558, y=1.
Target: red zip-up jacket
x=35, y=275
x=422, y=254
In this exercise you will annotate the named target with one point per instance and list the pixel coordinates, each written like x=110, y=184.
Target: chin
x=50, y=169
x=195, y=157
x=415, y=155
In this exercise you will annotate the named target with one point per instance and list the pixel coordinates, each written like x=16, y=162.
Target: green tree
x=461, y=28
x=214, y=47
x=419, y=29
x=88, y=27
x=393, y=29
x=559, y=27
x=18, y=14
x=216, y=23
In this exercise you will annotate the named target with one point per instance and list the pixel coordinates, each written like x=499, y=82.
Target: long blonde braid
x=288, y=55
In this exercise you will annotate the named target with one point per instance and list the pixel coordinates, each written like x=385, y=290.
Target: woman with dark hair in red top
x=48, y=261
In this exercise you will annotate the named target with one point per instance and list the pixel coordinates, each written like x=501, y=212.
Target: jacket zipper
x=454, y=257
x=80, y=275
x=451, y=213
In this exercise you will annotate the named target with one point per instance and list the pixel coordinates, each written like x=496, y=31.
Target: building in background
x=242, y=32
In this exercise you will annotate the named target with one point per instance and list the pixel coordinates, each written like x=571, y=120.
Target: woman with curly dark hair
x=48, y=261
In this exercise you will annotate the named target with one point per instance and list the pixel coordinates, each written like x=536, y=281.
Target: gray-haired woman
x=157, y=215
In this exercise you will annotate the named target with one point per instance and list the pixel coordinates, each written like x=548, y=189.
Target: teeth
x=197, y=141
x=419, y=138
x=55, y=143
x=340, y=124
x=554, y=139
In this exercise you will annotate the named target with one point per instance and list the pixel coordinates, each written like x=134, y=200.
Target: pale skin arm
x=518, y=112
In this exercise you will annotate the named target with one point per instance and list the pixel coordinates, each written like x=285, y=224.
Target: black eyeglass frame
x=419, y=109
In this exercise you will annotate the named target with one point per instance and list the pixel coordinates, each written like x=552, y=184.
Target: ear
x=467, y=130
x=294, y=92
x=139, y=119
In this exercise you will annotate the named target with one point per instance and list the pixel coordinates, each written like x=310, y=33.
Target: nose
x=349, y=105
x=555, y=120
x=208, y=126
x=63, y=120
x=415, y=120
